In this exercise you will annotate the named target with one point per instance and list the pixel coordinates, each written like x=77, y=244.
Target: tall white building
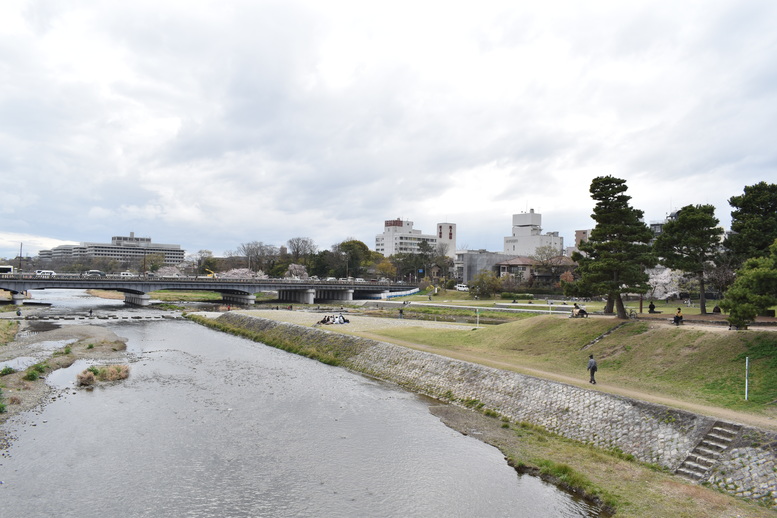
x=527, y=235
x=399, y=237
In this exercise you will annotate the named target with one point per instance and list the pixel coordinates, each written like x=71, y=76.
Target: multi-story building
x=469, y=263
x=527, y=236
x=121, y=248
x=399, y=237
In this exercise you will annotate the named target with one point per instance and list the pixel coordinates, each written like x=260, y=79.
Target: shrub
x=114, y=373
x=85, y=378
x=7, y=370
x=64, y=352
x=34, y=371
x=104, y=373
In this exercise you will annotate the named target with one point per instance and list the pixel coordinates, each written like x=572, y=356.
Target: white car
x=462, y=287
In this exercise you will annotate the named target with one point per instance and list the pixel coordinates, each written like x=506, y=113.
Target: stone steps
x=707, y=453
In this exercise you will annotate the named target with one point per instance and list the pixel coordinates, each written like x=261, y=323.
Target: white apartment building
x=399, y=237
x=527, y=236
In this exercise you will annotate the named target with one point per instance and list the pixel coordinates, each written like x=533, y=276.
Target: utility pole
x=20, y=256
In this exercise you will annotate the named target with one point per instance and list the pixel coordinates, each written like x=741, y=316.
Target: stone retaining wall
x=651, y=433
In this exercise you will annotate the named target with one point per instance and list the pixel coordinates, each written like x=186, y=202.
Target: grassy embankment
x=692, y=364
x=689, y=364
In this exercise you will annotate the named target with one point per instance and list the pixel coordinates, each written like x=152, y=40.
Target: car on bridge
x=95, y=273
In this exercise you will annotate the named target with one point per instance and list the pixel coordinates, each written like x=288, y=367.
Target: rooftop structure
x=527, y=235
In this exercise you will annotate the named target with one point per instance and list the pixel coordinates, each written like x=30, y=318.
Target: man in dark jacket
x=592, y=368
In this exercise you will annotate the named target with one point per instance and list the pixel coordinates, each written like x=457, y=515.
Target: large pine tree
x=753, y=221
x=614, y=259
x=690, y=243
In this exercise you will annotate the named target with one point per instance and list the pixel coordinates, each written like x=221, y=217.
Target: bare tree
x=548, y=260
x=259, y=255
x=301, y=247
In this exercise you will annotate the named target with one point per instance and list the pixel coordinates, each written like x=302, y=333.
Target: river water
x=213, y=425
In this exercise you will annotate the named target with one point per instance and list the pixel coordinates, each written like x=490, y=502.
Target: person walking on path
x=592, y=368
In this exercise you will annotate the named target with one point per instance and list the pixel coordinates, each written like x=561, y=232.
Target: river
x=213, y=425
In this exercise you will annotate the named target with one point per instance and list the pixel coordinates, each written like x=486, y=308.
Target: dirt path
x=366, y=326
x=722, y=413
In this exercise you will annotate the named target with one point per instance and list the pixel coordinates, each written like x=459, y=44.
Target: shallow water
x=214, y=425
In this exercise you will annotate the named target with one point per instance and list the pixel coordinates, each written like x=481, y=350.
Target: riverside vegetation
x=699, y=365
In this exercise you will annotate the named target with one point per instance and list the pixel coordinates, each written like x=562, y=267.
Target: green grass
x=705, y=367
x=196, y=296
x=324, y=348
x=191, y=296
x=8, y=331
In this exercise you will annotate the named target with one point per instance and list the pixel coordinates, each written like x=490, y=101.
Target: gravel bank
x=358, y=323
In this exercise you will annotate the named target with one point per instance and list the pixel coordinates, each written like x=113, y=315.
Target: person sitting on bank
x=651, y=307
x=678, y=317
x=577, y=311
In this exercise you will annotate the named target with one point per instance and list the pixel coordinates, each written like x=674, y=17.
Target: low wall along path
x=737, y=459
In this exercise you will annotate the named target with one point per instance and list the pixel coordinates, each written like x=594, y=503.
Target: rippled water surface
x=213, y=425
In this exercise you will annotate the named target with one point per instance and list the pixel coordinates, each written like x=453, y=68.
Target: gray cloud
x=212, y=124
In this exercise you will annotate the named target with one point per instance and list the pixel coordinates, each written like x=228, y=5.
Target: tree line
x=621, y=248
x=300, y=257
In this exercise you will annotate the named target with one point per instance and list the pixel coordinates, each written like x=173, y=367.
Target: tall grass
x=95, y=373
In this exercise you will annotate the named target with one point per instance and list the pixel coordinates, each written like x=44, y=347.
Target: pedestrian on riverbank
x=592, y=368
x=401, y=313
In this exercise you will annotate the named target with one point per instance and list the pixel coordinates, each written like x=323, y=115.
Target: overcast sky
x=210, y=124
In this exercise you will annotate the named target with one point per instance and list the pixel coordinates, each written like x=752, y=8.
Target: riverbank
x=634, y=489
x=51, y=350
x=450, y=340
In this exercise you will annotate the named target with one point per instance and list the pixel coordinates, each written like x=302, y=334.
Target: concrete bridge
x=235, y=291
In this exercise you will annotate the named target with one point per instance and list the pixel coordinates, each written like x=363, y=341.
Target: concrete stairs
x=706, y=454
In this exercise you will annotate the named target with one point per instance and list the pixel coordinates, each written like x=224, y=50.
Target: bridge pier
x=298, y=296
x=18, y=298
x=239, y=298
x=346, y=295
x=137, y=299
